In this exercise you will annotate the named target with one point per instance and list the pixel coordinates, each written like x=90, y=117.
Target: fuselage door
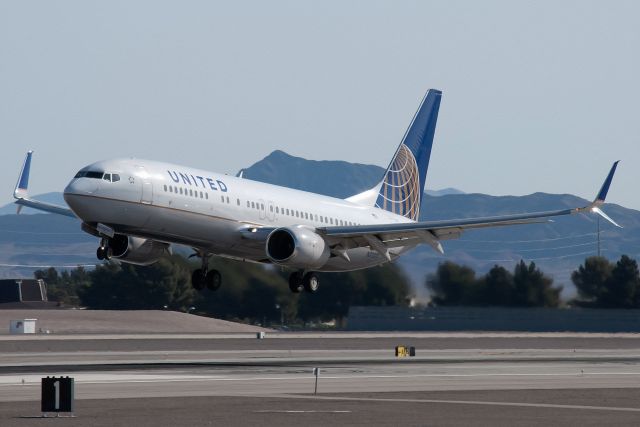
x=147, y=192
x=271, y=211
x=146, y=195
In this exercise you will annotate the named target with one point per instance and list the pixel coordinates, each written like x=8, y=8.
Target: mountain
x=558, y=247
x=330, y=177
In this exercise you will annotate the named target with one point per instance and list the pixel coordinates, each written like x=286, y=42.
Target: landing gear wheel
x=213, y=280
x=197, y=280
x=310, y=283
x=295, y=282
x=100, y=253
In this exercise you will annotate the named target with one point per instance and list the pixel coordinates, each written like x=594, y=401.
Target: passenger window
x=306, y=215
x=201, y=195
x=238, y=202
x=165, y=188
x=262, y=206
x=287, y=211
x=115, y=177
x=190, y=192
x=253, y=205
x=227, y=199
x=206, y=196
x=248, y=204
x=181, y=190
x=222, y=198
x=331, y=219
x=271, y=208
x=277, y=210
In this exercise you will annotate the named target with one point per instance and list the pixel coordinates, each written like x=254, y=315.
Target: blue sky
x=538, y=96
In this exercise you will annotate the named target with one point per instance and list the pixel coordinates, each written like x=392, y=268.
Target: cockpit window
x=98, y=175
x=89, y=174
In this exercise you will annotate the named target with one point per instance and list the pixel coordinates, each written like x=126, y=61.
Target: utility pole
x=598, y=232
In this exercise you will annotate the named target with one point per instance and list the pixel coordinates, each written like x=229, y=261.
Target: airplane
x=139, y=208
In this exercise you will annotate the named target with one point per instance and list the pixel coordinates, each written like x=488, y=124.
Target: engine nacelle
x=297, y=247
x=135, y=250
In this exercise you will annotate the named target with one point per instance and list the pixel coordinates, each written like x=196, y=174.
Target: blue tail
x=402, y=186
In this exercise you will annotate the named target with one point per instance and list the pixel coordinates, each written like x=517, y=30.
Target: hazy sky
x=538, y=96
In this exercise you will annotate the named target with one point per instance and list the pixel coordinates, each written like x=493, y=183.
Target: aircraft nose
x=82, y=186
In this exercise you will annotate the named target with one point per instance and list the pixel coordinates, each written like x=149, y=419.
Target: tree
x=453, y=284
x=498, y=287
x=592, y=279
x=131, y=287
x=533, y=288
x=385, y=285
x=623, y=285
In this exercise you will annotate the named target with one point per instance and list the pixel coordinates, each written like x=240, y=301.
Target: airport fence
x=492, y=319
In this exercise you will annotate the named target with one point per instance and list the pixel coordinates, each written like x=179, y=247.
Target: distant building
x=14, y=292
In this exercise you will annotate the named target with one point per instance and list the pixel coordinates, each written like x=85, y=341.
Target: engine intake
x=297, y=247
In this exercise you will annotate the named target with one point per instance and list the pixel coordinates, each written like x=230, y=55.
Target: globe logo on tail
x=400, y=191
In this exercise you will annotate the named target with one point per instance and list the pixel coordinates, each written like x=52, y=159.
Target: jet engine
x=297, y=247
x=135, y=250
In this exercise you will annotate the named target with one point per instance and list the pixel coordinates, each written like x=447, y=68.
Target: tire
x=311, y=283
x=197, y=280
x=295, y=282
x=100, y=253
x=213, y=280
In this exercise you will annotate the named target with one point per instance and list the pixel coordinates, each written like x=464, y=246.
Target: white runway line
x=471, y=402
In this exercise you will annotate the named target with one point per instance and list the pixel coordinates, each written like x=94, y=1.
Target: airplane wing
x=382, y=237
x=21, y=193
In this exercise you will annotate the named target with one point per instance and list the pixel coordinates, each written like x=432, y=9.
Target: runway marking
x=286, y=411
x=13, y=380
x=472, y=402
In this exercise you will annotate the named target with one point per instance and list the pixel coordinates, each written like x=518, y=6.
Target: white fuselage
x=212, y=212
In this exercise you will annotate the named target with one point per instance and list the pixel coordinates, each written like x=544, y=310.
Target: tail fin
x=402, y=186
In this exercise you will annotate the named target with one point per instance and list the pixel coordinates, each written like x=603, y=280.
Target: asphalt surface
x=486, y=408
x=455, y=379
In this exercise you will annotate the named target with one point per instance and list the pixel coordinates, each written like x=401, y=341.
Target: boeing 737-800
x=138, y=208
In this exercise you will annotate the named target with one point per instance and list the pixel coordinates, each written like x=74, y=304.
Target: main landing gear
x=203, y=277
x=299, y=281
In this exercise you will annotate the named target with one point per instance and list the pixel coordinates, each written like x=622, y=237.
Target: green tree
x=592, y=280
x=453, y=284
x=532, y=288
x=128, y=287
x=498, y=289
x=623, y=285
x=385, y=285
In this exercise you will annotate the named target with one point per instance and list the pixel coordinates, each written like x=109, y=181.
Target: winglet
x=21, y=193
x=22, y=186
x=602, y=194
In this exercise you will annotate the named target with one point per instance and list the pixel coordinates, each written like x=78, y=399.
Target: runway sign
x=57, y=394
x=405, y=351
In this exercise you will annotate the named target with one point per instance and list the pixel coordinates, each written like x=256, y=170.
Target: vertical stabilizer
x=402, y=186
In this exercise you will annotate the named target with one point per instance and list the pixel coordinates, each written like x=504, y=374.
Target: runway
x=238, y=380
